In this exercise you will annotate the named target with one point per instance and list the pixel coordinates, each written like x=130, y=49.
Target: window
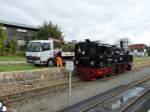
x=21, y=30
x=46, y=46
x=34, y=47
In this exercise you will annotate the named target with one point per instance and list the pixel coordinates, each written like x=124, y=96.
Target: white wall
x=136, y=53
x=21, y=42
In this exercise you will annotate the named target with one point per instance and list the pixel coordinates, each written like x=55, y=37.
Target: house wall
x=21, y=33
x=139, y=53
x=138, y=50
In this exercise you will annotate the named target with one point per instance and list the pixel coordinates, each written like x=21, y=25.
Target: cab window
x=46, y=46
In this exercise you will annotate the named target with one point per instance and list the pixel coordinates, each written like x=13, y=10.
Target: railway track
x=23, y=95
x=139, y=97
x=94, y=104
x=26, y=92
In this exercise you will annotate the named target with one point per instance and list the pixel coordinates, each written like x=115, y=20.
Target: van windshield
x=34, y=47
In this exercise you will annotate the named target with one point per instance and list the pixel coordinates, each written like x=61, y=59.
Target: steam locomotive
x=94, y=60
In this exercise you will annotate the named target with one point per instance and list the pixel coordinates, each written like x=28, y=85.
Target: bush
x=11, y=46
x=14, y=45
x=68, y=47
x=22, y=48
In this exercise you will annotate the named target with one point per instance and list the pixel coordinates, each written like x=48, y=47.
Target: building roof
x=6, y=23
x=137, y=46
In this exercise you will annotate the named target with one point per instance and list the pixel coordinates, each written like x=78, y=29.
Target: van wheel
x=50, y=62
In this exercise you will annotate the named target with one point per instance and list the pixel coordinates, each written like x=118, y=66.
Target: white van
x=42, y=52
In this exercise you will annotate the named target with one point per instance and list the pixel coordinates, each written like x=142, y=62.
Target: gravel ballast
x=55, y=101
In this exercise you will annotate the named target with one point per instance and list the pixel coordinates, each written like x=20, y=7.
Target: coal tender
x=94, y=60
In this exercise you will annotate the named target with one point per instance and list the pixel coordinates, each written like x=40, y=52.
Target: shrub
x=68, y=47
x=11, y=46
x=14, y=45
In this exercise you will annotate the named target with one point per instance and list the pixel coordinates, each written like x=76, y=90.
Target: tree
x=3, y=37
x=26, y=42
x=11, y=46
x=148, y=51
x=14, y=45
x=49, y=30
x=68, y=47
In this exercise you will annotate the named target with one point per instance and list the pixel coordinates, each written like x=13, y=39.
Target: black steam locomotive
x=94, y=59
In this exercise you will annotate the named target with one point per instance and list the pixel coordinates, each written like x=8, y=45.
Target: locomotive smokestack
x=87, y=40
x=121, y=44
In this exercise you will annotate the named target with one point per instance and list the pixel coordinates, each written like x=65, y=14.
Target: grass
x=12, y=58
x=18, y=67
x=140, y=59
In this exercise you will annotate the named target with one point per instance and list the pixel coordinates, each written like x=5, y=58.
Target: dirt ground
x=55, y=101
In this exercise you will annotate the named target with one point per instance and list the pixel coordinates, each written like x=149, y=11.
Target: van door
x=46, y=51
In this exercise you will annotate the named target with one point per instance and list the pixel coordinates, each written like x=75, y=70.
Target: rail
x=92, y=103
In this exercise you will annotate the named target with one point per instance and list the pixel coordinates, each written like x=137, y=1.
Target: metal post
x=70, y=77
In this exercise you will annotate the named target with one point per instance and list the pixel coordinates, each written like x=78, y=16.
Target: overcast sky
x=105, y=20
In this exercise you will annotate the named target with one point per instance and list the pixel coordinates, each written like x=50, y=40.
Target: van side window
x=46, y=46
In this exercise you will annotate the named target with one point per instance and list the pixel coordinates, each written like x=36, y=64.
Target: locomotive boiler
x=94, y=60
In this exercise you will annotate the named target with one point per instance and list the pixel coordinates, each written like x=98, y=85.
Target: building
x=138, y=49
x=19, y=31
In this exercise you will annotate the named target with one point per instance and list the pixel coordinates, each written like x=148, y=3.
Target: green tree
x=3, y=37
x=11, y=46
x=49, y=30
x=148, y=51
x=68, y=47
x=14, y=45
x=26, y=41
